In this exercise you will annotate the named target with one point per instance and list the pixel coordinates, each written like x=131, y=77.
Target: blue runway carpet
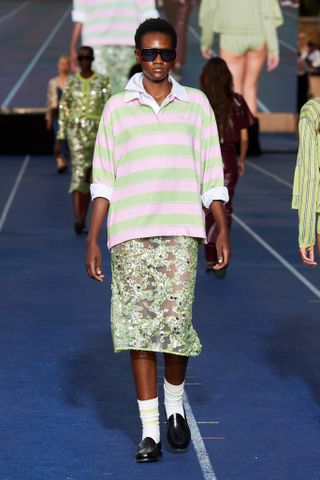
x=67, y=401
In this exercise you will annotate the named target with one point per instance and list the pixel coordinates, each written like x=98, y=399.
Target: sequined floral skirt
x=81, y=139
x=153, y=281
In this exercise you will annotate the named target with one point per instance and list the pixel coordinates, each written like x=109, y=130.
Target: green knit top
x=247, y=17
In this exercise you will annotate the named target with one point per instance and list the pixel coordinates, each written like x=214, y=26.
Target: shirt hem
x=163, y=231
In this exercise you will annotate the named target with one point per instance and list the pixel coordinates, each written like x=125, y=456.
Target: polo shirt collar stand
x=135, y=90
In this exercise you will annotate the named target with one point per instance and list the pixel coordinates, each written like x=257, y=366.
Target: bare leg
x=254, y=63
x=144, y=368
x=175, y=368
x=236, y=65
x=80, y=205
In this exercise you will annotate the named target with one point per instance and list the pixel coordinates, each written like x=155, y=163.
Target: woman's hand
x=241, y=167
x=272, y=61
x=307, y=256
x=94, y=262
x=207, y=53
x=223, y=250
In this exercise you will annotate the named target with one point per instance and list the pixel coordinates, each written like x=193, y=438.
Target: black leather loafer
x=148, y=450
x=178, y=434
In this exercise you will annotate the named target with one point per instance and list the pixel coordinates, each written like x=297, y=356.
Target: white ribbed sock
x=173, y=398
x=149, y=414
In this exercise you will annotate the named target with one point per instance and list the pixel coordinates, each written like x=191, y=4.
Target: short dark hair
x=86, y=47
x=155, y=25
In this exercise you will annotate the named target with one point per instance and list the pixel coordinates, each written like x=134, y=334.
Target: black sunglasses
x=84, y=57
x=150, y=54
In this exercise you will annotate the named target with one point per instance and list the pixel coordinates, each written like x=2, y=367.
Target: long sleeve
x=78, y=13
x=208, y=10
x=212, y=184
x=306, y=191
x=64, y=109
x=271, y=19
x=103, y=171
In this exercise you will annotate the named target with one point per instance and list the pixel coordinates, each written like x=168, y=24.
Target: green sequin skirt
x=153, y=282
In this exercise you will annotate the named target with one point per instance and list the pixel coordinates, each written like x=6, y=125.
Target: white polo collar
x=135, y=89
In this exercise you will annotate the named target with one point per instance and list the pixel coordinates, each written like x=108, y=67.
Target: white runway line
x=268, y=174
x=277, y=255
x=265, y=245
x=13, y=12
x=198, y=443
x=294, y=16
x=14, y=191
x=35, y=59
x=288, y=46
x=196, y=35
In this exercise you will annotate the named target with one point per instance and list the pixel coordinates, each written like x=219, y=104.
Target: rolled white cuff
x=151, y=13
x=215, y=193
x=100, y=190
x=78, y=16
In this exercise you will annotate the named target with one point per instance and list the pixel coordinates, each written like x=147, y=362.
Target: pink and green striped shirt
x=157, y=165
x=111, y=22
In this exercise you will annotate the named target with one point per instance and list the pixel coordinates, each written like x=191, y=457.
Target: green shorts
x=241, y=44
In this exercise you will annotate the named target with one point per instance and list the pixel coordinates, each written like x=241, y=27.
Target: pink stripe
x=209, y=132
x=154, y=139
x=115, y=102
x=155, y=209
x=111, y=41
x=127, y=27
x=133, y=120
x=156, y=162
x=181, y=117
x=103, y=141
x=213, y=152
x=111, y=13
x=214, y=173
x=154, y=186
x=156, y=231
x=100, y=162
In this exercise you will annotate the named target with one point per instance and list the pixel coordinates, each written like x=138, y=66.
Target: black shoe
x=178, y=434
x=80, y=227
x=217, y=273
x=148, y=450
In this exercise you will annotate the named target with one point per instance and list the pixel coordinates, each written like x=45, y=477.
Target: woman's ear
x=137, y=55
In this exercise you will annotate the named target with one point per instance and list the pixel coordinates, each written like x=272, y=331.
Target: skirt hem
x=126, y=349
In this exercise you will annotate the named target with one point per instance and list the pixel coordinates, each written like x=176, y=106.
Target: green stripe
x=103, y=18
x=102, y=176
x=156, y=128
x=150, y=197
x=212, y=184
x=112, y=4
x=156, y=174
x=138, y=222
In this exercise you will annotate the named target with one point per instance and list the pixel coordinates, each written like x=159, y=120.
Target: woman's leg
x=144, y=368
x=80, y=202
x=237, y=65
x=178, y=434
x=182, y=17
x=174, y=373
x=175, y=368
x=254, y=61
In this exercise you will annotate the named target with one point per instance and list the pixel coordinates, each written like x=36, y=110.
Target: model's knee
x=142, y=355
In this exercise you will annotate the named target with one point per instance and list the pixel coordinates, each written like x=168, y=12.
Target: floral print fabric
x=153, y=281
